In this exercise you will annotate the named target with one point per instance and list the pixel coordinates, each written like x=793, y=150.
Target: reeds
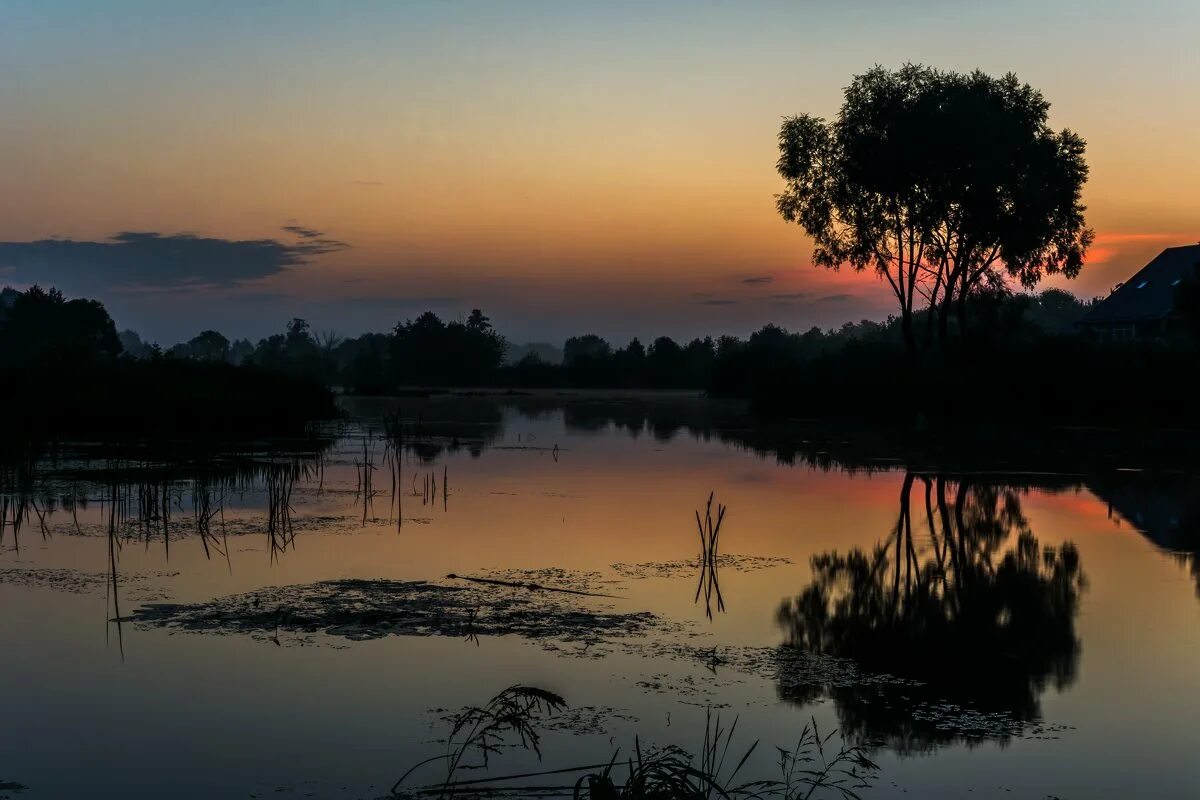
x=365, y=469
x=710, y=535
x=482, y=730
x=280, y=532
x=111, y=586
x=809, y=770
x=204, y=511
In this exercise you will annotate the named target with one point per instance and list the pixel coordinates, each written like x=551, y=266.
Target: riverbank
x=161, y=398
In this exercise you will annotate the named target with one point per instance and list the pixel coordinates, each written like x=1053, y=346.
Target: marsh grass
x=809, y=770
x=479, y=732
x=710, y=536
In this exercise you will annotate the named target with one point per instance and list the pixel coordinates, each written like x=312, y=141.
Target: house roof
x=1150, y=294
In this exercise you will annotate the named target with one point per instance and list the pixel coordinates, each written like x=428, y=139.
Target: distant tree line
x=67, y=373
x=1023, y=352
x=430, y=352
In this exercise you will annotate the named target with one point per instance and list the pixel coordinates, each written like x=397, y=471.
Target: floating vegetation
x=555, y=578
x=73, y=581
x=731, y=562
x=371, y=609
x=528, y=586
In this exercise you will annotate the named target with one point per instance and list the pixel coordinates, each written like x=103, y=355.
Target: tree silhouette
x=587, y=346
x=428, y=350
x=941, y=182
x=41, y=328
x=209, y=346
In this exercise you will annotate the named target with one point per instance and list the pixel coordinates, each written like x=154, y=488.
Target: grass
x=809, y=770
x=480, y=731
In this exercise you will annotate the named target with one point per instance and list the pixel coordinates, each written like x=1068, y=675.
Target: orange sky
x=599, y=165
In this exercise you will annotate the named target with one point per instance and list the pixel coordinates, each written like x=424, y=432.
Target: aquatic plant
x=482, y=730
x=809, y=770
x=710, y=534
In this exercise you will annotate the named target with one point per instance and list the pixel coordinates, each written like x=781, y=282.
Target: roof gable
x=1150, y=293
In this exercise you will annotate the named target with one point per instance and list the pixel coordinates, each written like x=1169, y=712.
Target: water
x=1065, y=667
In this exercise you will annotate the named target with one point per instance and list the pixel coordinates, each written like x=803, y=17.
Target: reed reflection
x=959, y=597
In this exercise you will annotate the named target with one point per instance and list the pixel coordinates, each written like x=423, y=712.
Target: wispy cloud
x=718, y=301
x=1111, y=246
x=303, y=232
x=758, y=280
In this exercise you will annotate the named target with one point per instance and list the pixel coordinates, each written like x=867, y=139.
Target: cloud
x=303, y=232
x=758, y=280
x=787, y=297
x=835, y=298
x=136, y=261
x=718, y=301
x=1113, y=246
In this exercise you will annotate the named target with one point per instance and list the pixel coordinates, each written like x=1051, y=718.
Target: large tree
x=943, y=183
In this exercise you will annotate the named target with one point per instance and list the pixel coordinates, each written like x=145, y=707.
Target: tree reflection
x=969, y=605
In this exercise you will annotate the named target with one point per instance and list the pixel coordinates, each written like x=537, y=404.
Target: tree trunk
x=943, y=314
x=906, y=327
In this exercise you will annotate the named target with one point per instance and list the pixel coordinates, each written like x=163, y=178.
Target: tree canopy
x=41, y=327
x=943, y=183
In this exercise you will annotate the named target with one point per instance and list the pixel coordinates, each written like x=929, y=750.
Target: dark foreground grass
x=810, y=769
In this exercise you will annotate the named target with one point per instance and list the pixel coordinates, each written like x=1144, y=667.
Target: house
x=1144, y=305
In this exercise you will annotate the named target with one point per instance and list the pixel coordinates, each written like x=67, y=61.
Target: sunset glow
x=566, y=166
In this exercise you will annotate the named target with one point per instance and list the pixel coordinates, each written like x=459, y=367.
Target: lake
x=304, y=618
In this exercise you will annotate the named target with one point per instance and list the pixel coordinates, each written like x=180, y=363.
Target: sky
x=573, y=167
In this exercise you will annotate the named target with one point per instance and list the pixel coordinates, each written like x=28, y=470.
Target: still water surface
x=986, y=633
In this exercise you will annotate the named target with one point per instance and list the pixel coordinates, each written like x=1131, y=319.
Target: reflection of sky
x=552, y=162
x=354, y=716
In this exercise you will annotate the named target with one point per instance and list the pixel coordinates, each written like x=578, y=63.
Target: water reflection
x=708, y=582
x=949, y=590
x=1165, y=508
x=960, y=597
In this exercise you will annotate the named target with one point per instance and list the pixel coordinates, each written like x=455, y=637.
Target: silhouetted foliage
x=587, y=346
x=41, y=327
x=65, y=376
x=943, y=183
x=429, y=351
x=1025, y=354
x=205, y=346
x=365, y=364
x=294, y=352
x=132, y=345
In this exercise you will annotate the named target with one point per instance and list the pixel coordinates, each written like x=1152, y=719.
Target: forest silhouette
x=1022, y=353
